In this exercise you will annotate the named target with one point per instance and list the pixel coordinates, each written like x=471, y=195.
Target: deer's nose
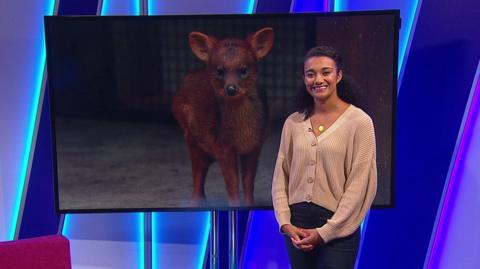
x=231, y=90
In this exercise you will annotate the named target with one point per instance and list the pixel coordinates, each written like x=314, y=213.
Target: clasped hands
x=303, y=239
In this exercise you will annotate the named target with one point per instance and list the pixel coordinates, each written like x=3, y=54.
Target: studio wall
x=436, y=95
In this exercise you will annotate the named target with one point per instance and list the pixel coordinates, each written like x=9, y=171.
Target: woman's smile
x=319, y=88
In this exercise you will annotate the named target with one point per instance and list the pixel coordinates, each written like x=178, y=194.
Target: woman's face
x=321, y=76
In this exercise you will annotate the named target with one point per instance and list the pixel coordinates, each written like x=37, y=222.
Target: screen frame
x=52, y=19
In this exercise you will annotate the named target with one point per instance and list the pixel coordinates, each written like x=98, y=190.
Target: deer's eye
x=220, y=72
x=243, y=72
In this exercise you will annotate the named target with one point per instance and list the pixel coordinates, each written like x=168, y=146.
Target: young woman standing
x=325, y=176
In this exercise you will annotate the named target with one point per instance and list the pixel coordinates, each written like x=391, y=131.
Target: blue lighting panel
x=250, y=6
x=264, y=245
x=163, y=7
x=310, y=6
x=66, y=224
x=121, y=7
x=176, y=234
x=363, y=230
x=399, y=237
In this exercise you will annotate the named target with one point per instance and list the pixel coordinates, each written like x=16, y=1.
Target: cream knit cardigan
x=336, y=170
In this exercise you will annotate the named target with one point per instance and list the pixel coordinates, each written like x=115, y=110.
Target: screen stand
x=214, y=239
x=232, y=239
x=147, y=239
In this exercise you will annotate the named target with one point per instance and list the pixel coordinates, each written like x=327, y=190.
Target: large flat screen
x=135, y=101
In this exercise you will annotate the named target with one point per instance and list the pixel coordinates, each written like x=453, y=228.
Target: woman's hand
x=311, y=239
x=296, y=234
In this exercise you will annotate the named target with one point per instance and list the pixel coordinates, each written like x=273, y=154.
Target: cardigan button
x=310, y=180
x=311, y=162
x=308, y=198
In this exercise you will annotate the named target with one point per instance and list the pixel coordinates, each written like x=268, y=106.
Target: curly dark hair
x=305, y=101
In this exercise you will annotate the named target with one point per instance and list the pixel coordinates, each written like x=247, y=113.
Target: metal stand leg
x=233, y=237
x=214, y=240
x=147, y=239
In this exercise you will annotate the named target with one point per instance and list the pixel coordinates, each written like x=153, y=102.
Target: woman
x=325, y=175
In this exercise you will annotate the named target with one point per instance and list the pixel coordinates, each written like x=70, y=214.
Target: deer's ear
x=261, y=41
x=201, y=45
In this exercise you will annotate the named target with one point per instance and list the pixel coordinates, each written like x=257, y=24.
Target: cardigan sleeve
x=360, y=186
x=281, y=176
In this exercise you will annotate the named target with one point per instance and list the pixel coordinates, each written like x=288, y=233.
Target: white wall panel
x=21, y=69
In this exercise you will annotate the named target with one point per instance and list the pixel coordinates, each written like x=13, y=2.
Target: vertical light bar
x=250, y=6
x=206, y=233
x=66, y=224
x=449, y=196
x=150, y=6
x=32, y=122
x=363, y=231
x=141, y=240
x=406, y=39
x=154, y=236
x=338, y=5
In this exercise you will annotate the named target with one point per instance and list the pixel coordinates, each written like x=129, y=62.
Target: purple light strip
x=450, y=194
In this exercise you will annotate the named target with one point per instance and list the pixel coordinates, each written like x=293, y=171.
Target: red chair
x=46, y=252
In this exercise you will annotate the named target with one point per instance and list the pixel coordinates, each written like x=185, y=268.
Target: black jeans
x=339, y=253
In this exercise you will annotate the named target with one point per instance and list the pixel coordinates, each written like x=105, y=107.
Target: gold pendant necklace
x=321, y=128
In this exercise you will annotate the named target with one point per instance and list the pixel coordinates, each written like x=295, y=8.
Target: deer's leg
x=249, y=164
x=199, y=159
x=228, y=164
x=200, y=164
